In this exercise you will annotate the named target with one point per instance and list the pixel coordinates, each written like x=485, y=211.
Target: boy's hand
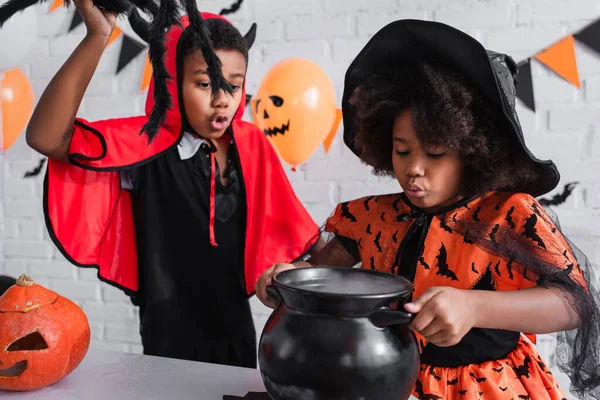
x=266, y=280
x=444, y=315
x=97, y=21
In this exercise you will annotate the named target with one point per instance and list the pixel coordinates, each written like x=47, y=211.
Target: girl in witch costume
x=491, y=268
x=184, y=222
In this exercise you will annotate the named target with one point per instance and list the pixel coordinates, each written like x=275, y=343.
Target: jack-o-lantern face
x=43, y=338
x=280, y=127
x=295, y=108
x=31, y=342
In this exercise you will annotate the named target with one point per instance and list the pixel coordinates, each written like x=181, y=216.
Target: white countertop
x=122, y=376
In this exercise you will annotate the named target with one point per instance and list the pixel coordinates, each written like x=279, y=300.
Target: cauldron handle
x=386, y=316
x=272, y=292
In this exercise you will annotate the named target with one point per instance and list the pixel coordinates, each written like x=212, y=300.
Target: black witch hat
x=412, y=41
x=163, y=16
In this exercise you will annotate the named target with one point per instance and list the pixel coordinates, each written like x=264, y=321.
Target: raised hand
x=98, y=22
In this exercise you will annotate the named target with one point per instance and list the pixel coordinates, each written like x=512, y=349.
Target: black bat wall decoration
x=559, y=198
x=233, y=8
x=35, y=171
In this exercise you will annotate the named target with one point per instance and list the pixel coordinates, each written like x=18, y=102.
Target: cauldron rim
x=404, y=290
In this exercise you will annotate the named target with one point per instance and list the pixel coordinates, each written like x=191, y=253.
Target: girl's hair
x=447, y=111
x=223, y=35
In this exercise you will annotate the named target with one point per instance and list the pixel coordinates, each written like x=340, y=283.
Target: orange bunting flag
x=116, y=33
x=560, y=58
x=56, y=4
x=147, y=74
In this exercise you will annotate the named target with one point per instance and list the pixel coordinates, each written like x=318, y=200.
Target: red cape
x=89, y=215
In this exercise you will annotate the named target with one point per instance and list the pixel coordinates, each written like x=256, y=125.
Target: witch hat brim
x=407, y=42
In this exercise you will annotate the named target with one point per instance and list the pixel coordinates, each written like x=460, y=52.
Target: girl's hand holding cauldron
x=444, y=315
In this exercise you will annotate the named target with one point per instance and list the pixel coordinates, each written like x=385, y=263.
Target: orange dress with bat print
x=481, y=243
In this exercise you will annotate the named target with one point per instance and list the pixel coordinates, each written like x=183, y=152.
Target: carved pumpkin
x=295, y=107
x=43, y=336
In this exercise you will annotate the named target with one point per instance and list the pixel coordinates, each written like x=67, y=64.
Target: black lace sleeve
x=534, y=247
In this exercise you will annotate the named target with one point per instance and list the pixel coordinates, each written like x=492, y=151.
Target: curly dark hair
x=447, y=111
x=223, y=35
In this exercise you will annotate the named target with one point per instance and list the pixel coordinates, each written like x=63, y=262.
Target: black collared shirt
x=192, y=295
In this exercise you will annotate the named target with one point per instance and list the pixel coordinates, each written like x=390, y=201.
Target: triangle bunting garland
x=130, y=49
x=147, y=75
x=590, y=36
x=560, y=58
x=56, y=4
x=76, y=21
x=525, y=85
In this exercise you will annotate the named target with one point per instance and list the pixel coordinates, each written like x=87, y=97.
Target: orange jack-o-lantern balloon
x=296, y=109
x=16, y=105
x=43, y=336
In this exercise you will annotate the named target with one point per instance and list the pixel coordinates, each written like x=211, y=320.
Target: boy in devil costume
x=184, y=222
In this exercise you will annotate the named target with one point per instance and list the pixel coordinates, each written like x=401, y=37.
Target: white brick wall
x=566, y=126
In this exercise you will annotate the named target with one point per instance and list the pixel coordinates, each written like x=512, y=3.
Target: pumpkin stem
x=25, y=280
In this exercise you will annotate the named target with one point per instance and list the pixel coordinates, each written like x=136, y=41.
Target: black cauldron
x=335, y=336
